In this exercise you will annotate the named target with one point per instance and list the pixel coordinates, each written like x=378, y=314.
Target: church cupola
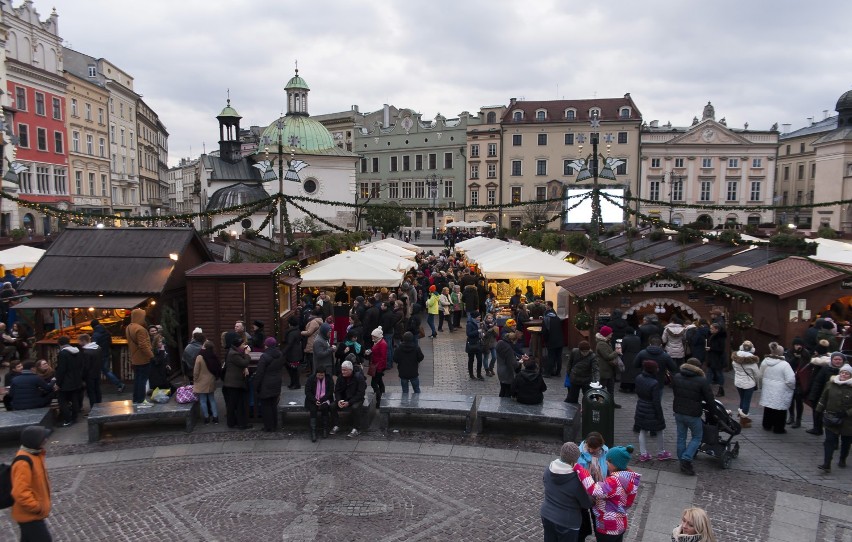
x=297, y=95
x=844, y=110
x=229, y=134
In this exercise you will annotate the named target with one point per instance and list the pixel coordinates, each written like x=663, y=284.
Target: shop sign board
x=664, y=285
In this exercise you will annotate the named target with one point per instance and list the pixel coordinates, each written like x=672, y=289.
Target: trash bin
x=599, y=414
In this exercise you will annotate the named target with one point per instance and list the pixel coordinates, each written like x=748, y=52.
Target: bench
x=447, y=404
x=127, y=411
x=12, y=423
x=293, y=402
x=506, y=408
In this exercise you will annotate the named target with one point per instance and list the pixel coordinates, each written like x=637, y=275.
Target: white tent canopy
x=460, y=224
x=20, y=256
x=353, y=268
x=529, y=264
x=399, y=243
x=468, y=244
x=387, y=260
x=480, y=224
x=390, y=248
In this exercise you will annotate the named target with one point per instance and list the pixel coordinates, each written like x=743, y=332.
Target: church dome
x=236, y=194
x=297, y=82
x=845, y=101
x=301, y=133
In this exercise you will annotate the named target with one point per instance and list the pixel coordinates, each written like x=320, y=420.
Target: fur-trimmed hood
x=675, y=330
x=821, y=361
x=744, y=358
x=600, y=337
x=691, y=370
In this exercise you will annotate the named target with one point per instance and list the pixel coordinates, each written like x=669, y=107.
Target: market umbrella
x=354, y=269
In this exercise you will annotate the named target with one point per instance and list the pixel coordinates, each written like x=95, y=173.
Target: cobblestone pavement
x=425, y=481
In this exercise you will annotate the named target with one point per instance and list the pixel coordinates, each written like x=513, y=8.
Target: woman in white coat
x=746, y=378
x=778, y=382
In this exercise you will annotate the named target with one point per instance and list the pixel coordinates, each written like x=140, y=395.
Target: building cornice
x=35, y=76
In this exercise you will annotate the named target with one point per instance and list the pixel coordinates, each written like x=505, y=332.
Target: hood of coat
x=324, y=330
x=821, y=361
x=654, y=350
x=772, y=362
x=72, y=349
x=529, y=374
x=137, y=316
x=561, y=473
x=836, y=380
x=690, y=370
x=91, y=346
x=406, y=347
x=744, y=358
x=675, y=330
x=600, y=337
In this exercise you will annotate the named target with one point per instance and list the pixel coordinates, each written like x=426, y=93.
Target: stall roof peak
x=609, y=276
x=788, y=277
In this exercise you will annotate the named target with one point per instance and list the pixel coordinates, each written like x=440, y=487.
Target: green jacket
x=606, y=357
x=837, y=397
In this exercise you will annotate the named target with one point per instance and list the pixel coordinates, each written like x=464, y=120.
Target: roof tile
x=609, y=276
x=786, y=277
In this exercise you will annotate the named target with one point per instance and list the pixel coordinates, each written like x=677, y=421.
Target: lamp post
x=589, y=169
x=672, y=180
x=432, y=182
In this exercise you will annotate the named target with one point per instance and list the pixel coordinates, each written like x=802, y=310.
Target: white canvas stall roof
x=460, y=224
x=385, y=259
x=530, y=265
x=390, y=248
x=399, y=243
x=468, y=244
x=353, y=268
x=20, y=256
x=830, y=250
x=477, y=251
x=500, y=252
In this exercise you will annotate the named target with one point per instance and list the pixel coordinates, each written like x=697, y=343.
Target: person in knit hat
x=378, y=364
x=614, y=495
x=799, y=359
x=607, y=359
x=565, y=498
x=826, y=371
x=30, y=485
x=834, y=405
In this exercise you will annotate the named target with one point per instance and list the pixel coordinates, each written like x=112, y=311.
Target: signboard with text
x=664, y=285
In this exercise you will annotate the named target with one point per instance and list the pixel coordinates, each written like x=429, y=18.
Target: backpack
x=6, y=499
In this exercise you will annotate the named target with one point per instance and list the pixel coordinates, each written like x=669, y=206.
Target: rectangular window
x=90, y=145
x=123, y=140
x=418, y=162
x=622, y=168
x=74, y=107
x=474, y=171
x=131, y=140
x=102, y=148
x=59, y=180
x=448, y=160
x=114, y=163
x=394, y=163
x=364, y=190
x=474, y=151
x=39, y=99
x=393, y=190
x=419, y=189
x=813, y=170
x=786, y=173
x=91, y=184
x=26, y=182
x=121, y=109
x=78, y=182
x=491, y=196
x=567, y=170
x=112, y=133
x=433, y=161
x=363, y=164
x=800, y=169
x=406, y=163
x=21, y=98
x=41, y=136
x=406, y=189
x=448, y=188
x=23, y=136
x=43, y=179
x=540, y=193
x=376, y=190
x=801, y=147
x=111, y=106
x=93, y=71
x=569, y=139
x=101, y=116
x=754, y=193
x=103, y=185
x=677, y=190
x=542, y=139
x=516, y=140
x=731, y=192
x=678, y=162
x=757, y=162
x=375, y=164
x=75, y=141
x=655, y=162
x=622, y=138
x=516, y=167
x=57, y=109
x=516, y=194
x=474, y=196
x=88, y=111
x=706, y=162
x=541, y=167
x=654, y=192
x=733, y=162
x=492, y=150
x=124, y=165
x=492, y=171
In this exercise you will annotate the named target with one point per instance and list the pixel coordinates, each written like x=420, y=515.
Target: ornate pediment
x=709, y=132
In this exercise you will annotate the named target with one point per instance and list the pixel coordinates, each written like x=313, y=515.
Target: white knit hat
x=377, y=333
x=197, y=331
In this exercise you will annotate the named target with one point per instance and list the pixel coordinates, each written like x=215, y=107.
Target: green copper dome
x=297, y=82
x=229, y=112
x=299, y=132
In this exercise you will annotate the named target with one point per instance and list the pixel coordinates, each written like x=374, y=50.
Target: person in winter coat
x=650, y=327
x=267, y=383
x=619, y=325
x=458, y=306
x=350, y=345
x=257, y=337
x=507, y=365
x=583, y=370
x=323, y=352
x=378, y=364
x=102, y=337
x=470, y=299
x=191, y=351
x=778, y=381
x=614, y=495
x=473, y=345
x=490, y=331
x=674, y=337
x=593, y=452
x=696, y=340
x=565, y=498
x=234, y=386
x=205, y=371
x=691, y=390
x=554, y=341
x=715, y=350
x=528, y=387
x=349, y=394
x=30, y=485
x=631, y=345
x=694, y=527
x=91, y=358
x=29, y=390
x=389, y=319
x=408, y=357
x=654, y=351
x=746, y=378
x=649, y=411
x=834, y=362
x=607, y=361
x=310, y=334
x=69, y=379
x=799, y=359
x=445, y=305
x=319, y=398
x=836, y=400
x=291, y=348
x=432, y=310
x=828, y=332
x=140, y=353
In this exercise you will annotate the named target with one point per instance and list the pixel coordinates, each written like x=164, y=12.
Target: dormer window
x=624, y=113
x=570, y=114
x=595, y=113
x=541, y=114
x=518, y=116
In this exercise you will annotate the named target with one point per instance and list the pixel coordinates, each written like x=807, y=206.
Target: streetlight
x=672, y=180
x=432, y=182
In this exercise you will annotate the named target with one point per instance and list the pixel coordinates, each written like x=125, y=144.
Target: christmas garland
x=736, y=208
x=315, y=217
x=285, y=267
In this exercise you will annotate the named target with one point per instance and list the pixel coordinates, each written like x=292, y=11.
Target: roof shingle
x=607, y=277
x=787, y=277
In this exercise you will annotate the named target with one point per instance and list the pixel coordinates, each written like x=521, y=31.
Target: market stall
x=354, y=269
x=401, y=243
x=383, y=247
x=19, y=260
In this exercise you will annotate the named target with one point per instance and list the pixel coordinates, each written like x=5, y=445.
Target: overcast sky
x=759, y=62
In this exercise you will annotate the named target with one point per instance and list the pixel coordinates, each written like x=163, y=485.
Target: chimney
x=355, y=108
x=824, y=114
x=786, y=128
x=512, y=101
x=386, y=116
x=627, y=96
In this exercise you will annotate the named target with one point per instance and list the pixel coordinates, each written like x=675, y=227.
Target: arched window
x=570, y=114
x=491, y=118
x=518, y=115
x=624, y=113
x=595, y=112
x=541, y=114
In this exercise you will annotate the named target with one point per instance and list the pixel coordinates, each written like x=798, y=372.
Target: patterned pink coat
x=613, y=496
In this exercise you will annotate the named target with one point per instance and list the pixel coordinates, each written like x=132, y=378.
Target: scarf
x=320, y=389
x=595, y=465
x=211, y=362
x=355, y=345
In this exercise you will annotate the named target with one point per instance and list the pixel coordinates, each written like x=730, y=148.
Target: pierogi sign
x=663, y=286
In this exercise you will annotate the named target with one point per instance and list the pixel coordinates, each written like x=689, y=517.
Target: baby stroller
x=719, y=430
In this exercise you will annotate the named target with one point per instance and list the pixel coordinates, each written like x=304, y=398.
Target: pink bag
x=184, y=394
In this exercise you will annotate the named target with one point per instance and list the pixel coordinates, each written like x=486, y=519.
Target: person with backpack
x=30, y=485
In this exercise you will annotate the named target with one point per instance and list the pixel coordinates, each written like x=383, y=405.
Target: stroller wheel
x=726, y=459
x=736, y=451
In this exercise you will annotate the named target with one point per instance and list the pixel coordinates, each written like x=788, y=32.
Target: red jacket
x=379, y=356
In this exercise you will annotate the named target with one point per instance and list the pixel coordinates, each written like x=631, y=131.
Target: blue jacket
x=29, y=390
x=586, y=458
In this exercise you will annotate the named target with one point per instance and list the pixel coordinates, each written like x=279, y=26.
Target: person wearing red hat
x=607, y=360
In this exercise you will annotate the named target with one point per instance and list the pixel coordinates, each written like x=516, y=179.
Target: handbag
x=421, y=332
x=473, y=347
x=831, y=419
x=619, y=364
x=184, y=395
x=568, y=379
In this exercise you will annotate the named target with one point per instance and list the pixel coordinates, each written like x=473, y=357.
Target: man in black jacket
x=349, y=391
x=90, y=353
x=552, y=337
x=103, y=339
x=691, y=391
x=69, y=378
x=29, y=390
x=654, y=351
x=528, y=387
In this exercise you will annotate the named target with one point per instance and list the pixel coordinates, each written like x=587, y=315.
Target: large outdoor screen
x=582, y=214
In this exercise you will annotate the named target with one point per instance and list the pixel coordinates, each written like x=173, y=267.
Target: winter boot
x=313, y=429
x=790, y=419
x=721, y=392
x=378, y=400
x=325, y=427
x=797, y=423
